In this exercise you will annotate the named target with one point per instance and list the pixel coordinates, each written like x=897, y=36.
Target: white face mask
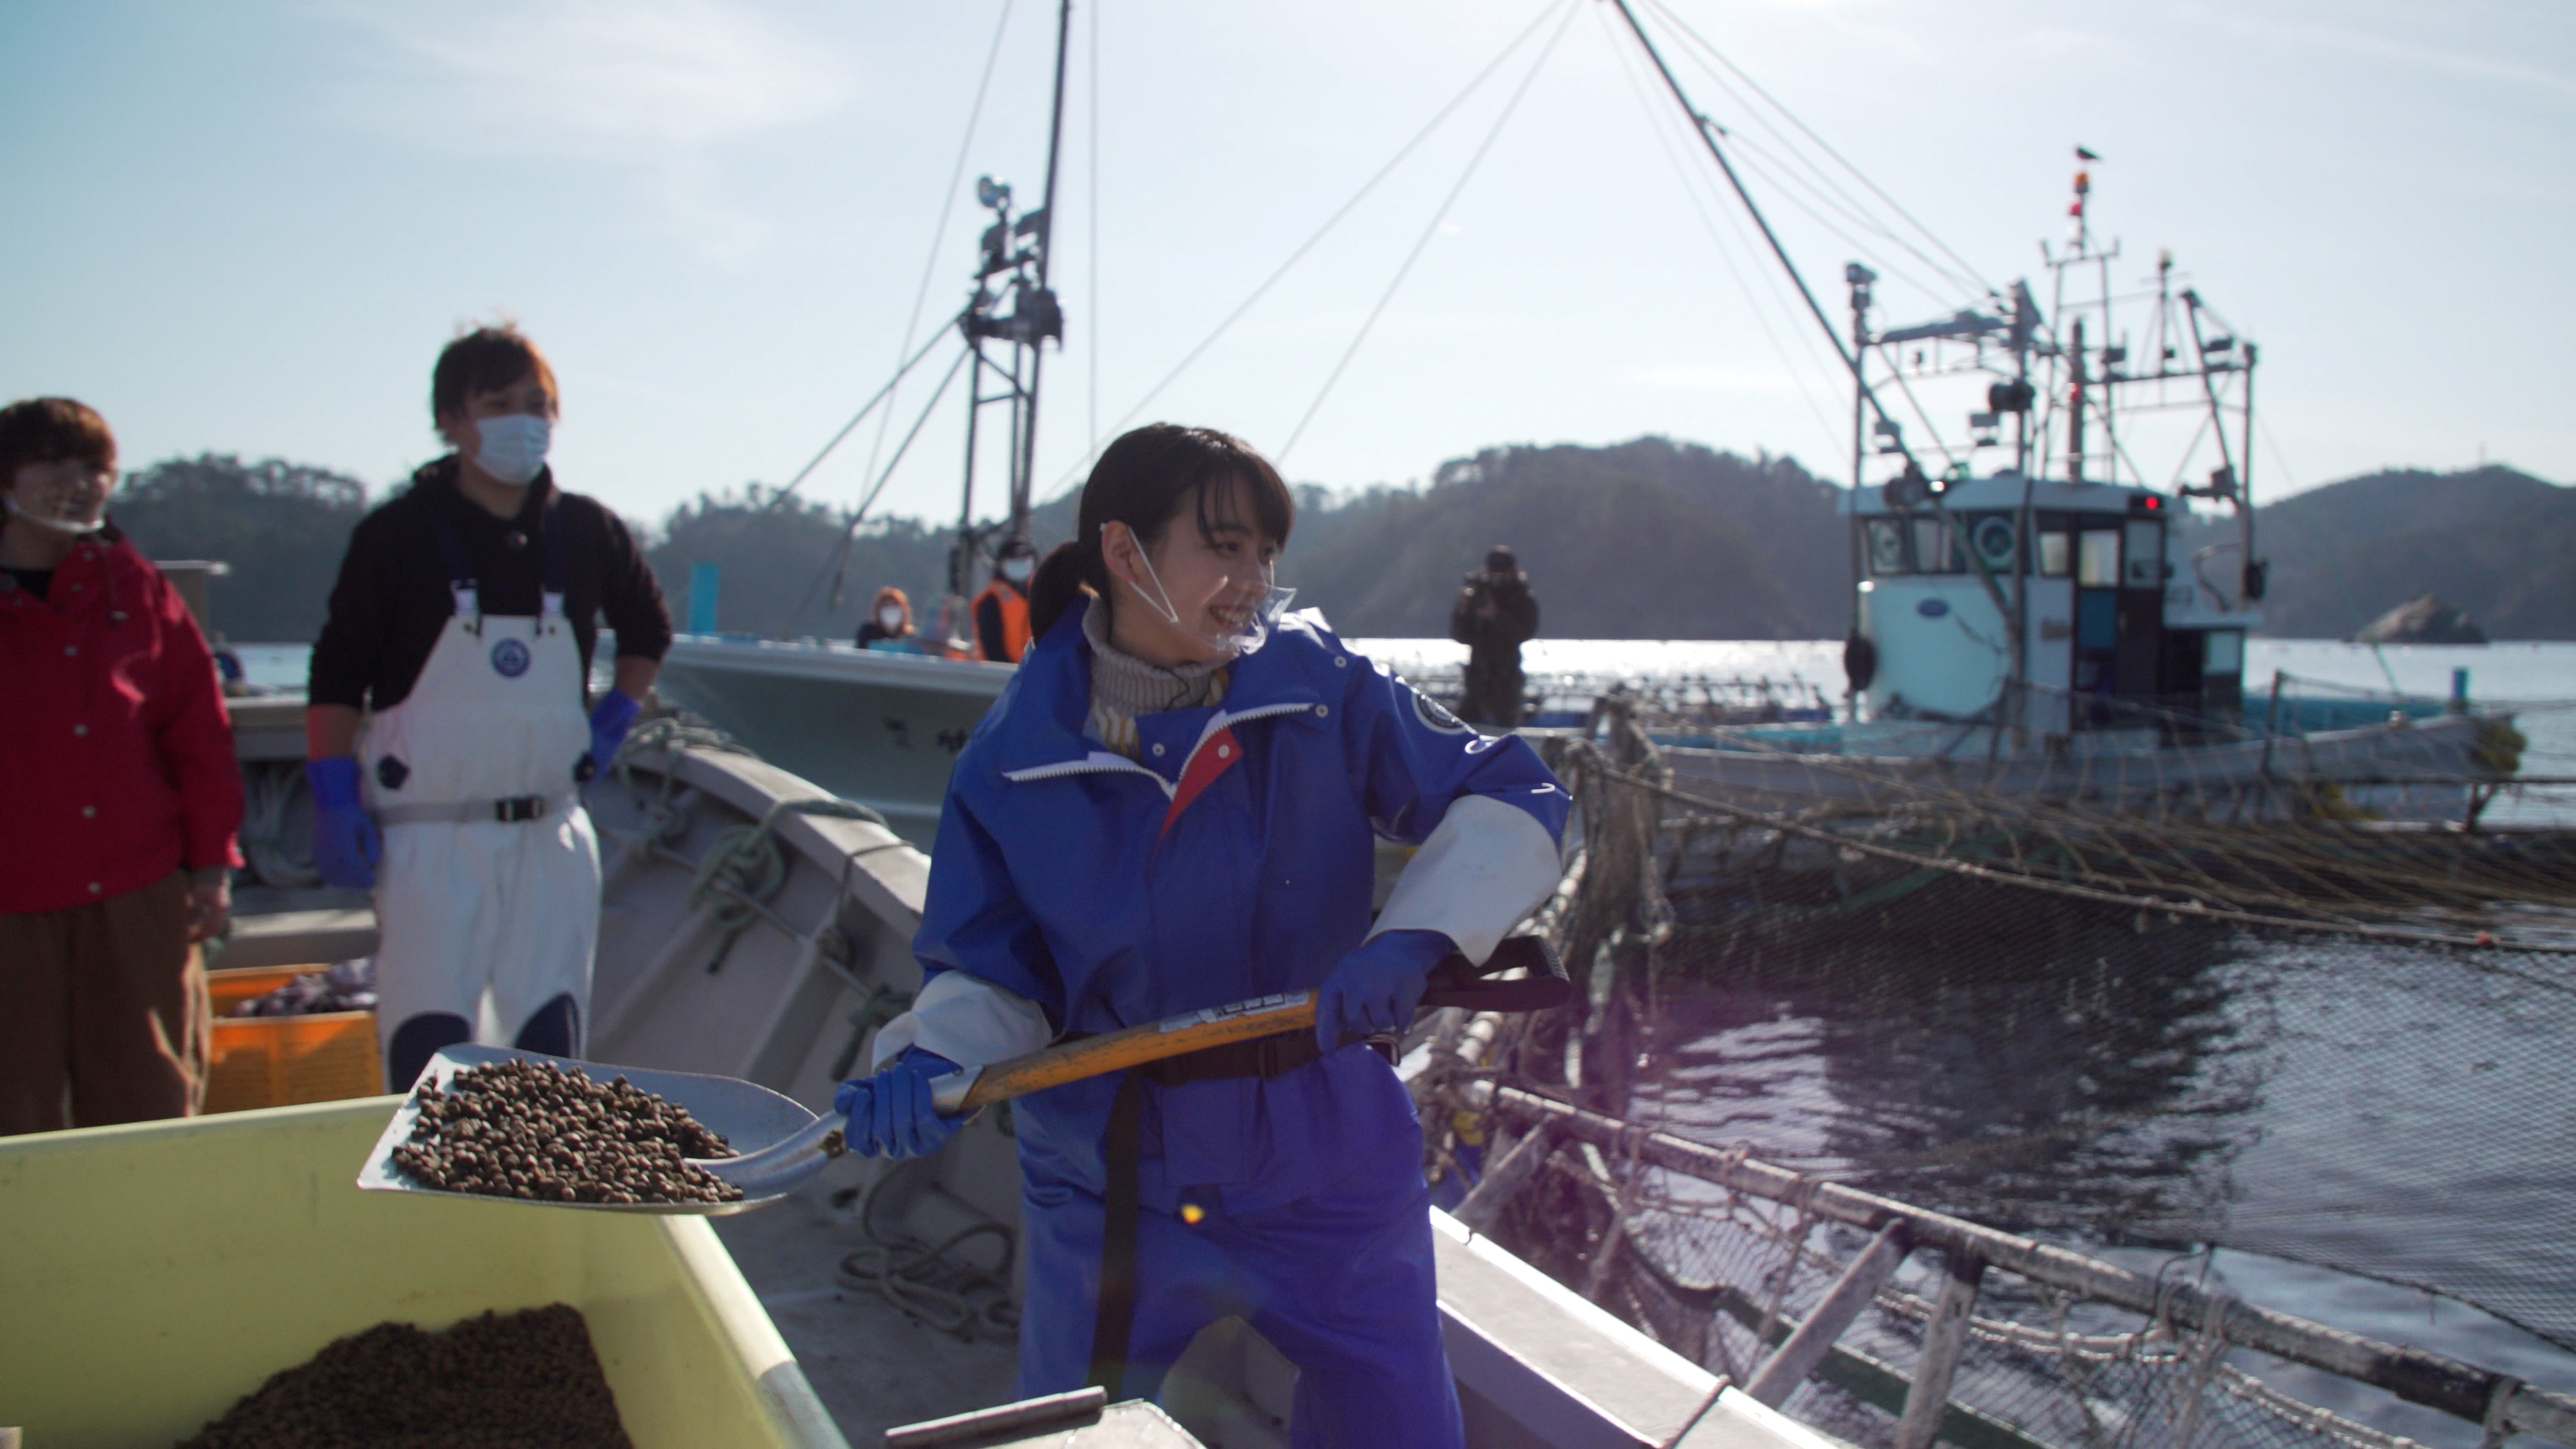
x=1017, y=570
x=890, y=616
x=1255, y=608
x=58, y=525
x=514, y=447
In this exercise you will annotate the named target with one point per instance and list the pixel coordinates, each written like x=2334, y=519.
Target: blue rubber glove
x=610, y=719
x=891, y=1114
x=346, y=844
x=1376, y=987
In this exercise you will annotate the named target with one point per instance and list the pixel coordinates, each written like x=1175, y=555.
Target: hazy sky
x=247, y=227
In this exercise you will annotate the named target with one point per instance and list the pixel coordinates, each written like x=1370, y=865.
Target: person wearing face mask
x=1174, y=807
x=888, y=627
x=1002, y=610
x=447, y=730
x=120, y=792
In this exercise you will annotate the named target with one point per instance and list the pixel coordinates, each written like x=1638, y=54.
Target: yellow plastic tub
x=152, y=1274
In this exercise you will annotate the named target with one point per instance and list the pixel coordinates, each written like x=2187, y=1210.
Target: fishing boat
x=754, y=925
x=2032, y=620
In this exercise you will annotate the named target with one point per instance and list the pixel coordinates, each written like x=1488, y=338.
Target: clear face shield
x=1235, y=617
x=65, y=497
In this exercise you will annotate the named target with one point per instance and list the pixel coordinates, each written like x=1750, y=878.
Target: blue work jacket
x=1235, y=858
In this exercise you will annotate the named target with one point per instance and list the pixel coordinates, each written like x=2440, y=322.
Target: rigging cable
x=1309, y=244
x=1428, y=232
x=2188, y=453
x=947, y=208
x=850, y=531
x=1692, y=181
x=1737, y=226
x=1702, y=43
x=2264, y=426
x=1789, y=167
x=865, y=408
x=1791, y=172
x=1787, y=184
x=1897, y=373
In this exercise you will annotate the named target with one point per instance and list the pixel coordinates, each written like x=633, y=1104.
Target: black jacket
x=392, y=600
x=1495, y=613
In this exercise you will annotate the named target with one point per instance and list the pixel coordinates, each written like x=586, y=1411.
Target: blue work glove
x=1376, y=987
x=891, y=1114
x=610, y=719
x=346, y=844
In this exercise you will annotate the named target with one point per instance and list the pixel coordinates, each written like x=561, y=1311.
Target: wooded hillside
x=1641, y=540
x=2496, y=542
x=1649, y=539
x=280, y=526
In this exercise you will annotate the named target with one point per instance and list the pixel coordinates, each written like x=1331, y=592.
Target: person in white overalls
x=490, y=875
x=458, y=802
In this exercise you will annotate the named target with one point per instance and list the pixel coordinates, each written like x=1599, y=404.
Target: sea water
x=2272, y=1125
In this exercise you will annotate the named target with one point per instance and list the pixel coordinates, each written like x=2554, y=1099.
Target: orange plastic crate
x=277, y=1061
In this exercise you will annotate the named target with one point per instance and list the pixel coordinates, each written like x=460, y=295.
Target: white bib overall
x=490, y=877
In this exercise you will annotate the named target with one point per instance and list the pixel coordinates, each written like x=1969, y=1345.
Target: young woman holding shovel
x=1173, y=806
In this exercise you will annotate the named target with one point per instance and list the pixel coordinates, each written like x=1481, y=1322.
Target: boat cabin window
x=1886, y=539
x=2056, y=553
x=1936, y=548
x=2226, y=652
x=2146, y=554
x=2097, y=558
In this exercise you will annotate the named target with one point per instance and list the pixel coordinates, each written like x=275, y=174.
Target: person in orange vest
x=1002, y=610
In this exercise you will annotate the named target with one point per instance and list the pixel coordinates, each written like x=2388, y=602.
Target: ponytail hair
x=1060, y=577
x=1144, y=480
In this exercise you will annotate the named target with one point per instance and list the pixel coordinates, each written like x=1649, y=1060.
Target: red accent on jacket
x=1215, y=755
x=119, y=767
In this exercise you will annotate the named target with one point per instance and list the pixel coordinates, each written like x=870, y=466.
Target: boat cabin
x=2107, y=614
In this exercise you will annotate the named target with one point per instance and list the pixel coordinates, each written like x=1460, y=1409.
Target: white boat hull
x=791, y=999
x=877, y=728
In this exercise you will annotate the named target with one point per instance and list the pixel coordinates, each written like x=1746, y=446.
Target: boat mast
x=1858, y=278
x=1016, y=250
x=1024, y=468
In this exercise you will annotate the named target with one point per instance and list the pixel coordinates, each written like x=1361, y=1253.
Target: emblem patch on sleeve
x=1436, y=716
x=510, y=658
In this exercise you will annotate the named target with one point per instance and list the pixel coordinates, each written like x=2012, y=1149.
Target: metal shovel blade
x=751, y=1117
x=786, y=1165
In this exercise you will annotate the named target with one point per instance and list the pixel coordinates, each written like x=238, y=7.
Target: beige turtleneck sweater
x=1124, y=686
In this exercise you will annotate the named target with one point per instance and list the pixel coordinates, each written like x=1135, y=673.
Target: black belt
x=1121, y=1146
x=513, y=810
x=1454, y=983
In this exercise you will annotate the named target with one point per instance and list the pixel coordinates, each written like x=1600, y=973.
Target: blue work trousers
x=1341, y=1282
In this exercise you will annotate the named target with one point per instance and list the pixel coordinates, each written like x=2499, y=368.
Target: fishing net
x=1724, y=1279
x=2127, y=1006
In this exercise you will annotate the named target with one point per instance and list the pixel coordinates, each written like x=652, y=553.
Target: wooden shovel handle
x=1454, y=982
x=1114, y=1051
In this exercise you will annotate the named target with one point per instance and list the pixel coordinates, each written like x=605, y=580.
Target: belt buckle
x=518, y=808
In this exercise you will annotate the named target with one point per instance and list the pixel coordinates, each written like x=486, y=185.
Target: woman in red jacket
x=122, y=797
